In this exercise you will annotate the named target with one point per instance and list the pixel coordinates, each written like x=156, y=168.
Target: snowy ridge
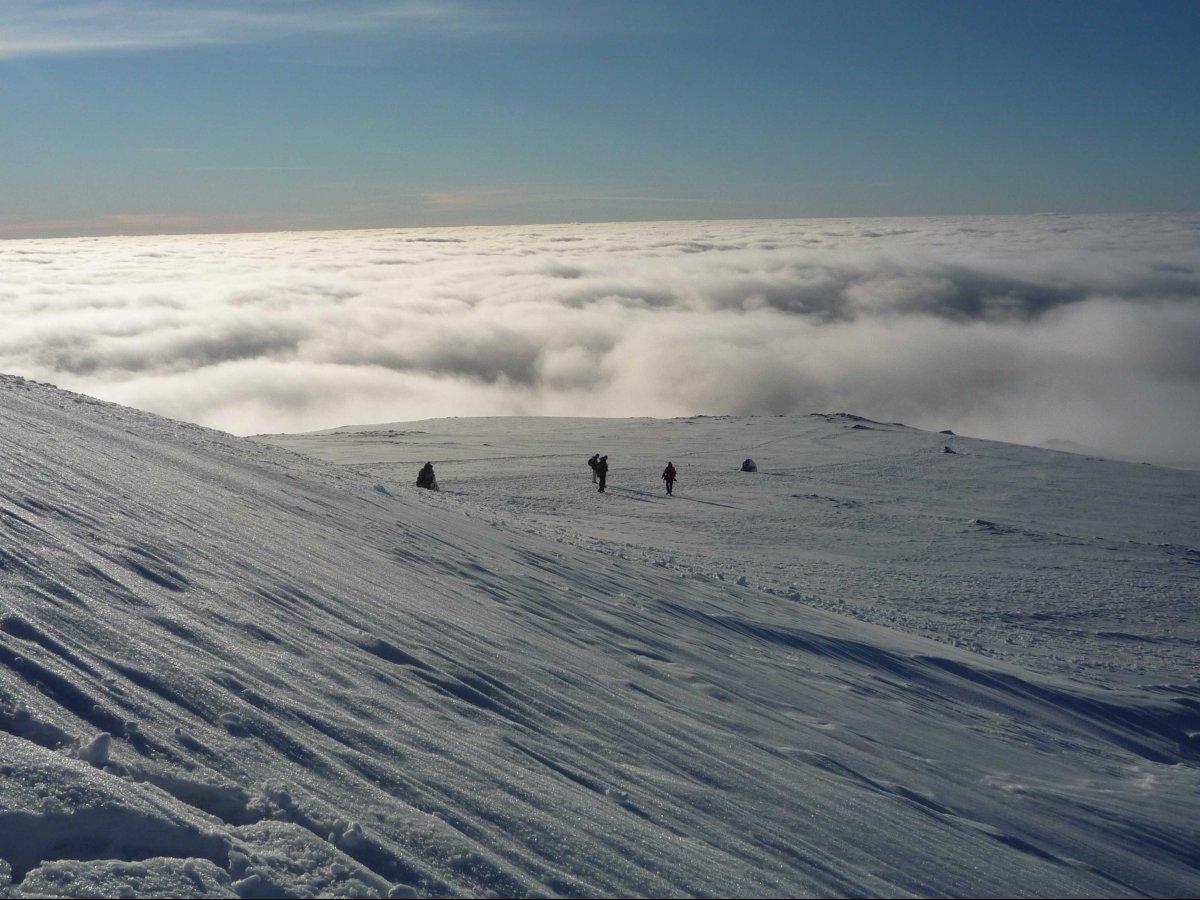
x=317, y=681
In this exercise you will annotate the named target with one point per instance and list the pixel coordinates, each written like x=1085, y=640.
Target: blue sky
x=120, y=116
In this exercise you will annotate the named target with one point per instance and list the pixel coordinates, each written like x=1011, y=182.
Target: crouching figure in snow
x=749, y=466
x=426, y=479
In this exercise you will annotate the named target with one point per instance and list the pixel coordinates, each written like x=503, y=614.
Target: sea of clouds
x=1085, y=328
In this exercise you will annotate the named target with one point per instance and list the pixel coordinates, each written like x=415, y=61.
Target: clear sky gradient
x=126, y=116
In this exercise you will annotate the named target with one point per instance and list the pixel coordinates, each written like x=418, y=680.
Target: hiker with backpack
x=668, y=476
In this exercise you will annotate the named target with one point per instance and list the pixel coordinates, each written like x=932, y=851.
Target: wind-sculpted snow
x=1031, y=329
x=1057, y=561
x=320, y=682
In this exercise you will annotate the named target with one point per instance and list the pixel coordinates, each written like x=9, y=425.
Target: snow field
x=316, y=679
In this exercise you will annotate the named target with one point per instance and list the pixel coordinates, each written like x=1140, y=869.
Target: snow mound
x=57, y=808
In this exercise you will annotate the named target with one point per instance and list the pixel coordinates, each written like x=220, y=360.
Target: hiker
x=602, y=471
x=668, y=476
x=592, y=465
x=426, y=479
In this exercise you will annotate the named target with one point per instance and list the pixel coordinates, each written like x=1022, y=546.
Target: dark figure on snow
x=592, y=463
x=602, y=471
x=426, y=479
x=668, y=476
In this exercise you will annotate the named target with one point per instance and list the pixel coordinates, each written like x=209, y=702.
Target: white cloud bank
x=1027, y=329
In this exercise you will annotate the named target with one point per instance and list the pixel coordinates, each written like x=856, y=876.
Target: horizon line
x=217, y=231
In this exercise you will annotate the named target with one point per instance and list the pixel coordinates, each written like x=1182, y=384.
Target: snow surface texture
x=1030, y=328
x=1068, y=564
x=320, y=681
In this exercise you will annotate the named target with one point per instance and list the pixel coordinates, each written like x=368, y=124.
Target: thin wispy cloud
x=37, y=28
x=1024, y=329
x=471, y=198
x=32, y=28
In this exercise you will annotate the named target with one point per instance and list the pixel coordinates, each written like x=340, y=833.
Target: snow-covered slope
x=1070, y=565
x=320, y=681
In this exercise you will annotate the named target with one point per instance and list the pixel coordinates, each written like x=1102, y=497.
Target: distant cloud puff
x=1028, y=329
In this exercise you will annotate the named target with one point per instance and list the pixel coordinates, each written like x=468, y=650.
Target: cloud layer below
x=1028, y=329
